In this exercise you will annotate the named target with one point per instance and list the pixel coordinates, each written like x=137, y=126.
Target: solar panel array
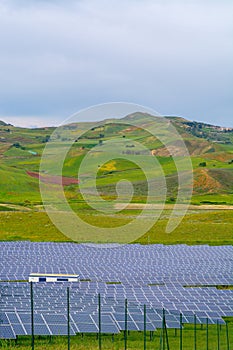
x=154, y=275
x=137, y=263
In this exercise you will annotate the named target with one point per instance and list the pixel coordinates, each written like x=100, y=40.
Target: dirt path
x=15, y=207
x=140, y=206
x=137, y=206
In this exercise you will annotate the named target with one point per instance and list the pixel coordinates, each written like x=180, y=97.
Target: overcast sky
x=57, y=57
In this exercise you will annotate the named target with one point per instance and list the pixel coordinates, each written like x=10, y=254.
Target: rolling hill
x=210, y=148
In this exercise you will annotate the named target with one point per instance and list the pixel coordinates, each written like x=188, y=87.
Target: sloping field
x=213, y=181
x=21, y=149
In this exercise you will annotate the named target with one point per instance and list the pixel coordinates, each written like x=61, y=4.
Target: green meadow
x=213, y=227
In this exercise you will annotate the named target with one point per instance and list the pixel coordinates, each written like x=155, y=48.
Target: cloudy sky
x=59, y=56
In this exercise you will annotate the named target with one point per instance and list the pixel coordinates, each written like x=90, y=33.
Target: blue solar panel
x=131, y=326
x=3, y=318
x=172, y=324
x=59, y=329
x=109, y=328
x=55, y=319
x=154, y=275
x=42, y=329
x=81, y=317
x=18, y=329
x=13, y=318
x=87, y=328
x=6, y=332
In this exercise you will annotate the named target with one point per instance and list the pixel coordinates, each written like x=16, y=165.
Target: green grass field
x=198, y=227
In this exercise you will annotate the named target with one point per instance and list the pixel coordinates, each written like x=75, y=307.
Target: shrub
x=202, y=164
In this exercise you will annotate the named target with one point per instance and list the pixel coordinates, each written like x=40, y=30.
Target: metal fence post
x=68, y=317
x=99, y=304
x=227, y=336
x=218, y=335
x=165, y=325
x=195, y=332
x=181, y=339
x=163, y=329
x=207, y=333
x=126, y=322
x=144, y=327
x=32, y=315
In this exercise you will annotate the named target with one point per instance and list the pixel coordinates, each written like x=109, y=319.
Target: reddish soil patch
x=204, y=182
x=53, y=179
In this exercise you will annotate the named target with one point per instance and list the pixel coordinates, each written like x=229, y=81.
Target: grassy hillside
x=211, y=151
x=210, y=148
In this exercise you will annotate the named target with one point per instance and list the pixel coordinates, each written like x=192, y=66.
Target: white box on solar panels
x=48, y=277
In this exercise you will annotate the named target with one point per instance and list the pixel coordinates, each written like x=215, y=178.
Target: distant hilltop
x=200, y=130
x=175, y=119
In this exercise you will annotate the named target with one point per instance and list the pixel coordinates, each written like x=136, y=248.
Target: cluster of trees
x=18, y=145
x=203, y=164
x=209, y=132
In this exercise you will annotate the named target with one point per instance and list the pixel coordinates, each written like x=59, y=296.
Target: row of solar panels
x=53, y=297
x=171, y=289
x=161, y=274
x=118, y=286
x=223, y=312
x=13, y=324
x=221, y=306
x=136, y=263
x=123, y=247
x=109, y=305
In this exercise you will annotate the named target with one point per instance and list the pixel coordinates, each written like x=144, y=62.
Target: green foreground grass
x=197, y=227
x=135, y=340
